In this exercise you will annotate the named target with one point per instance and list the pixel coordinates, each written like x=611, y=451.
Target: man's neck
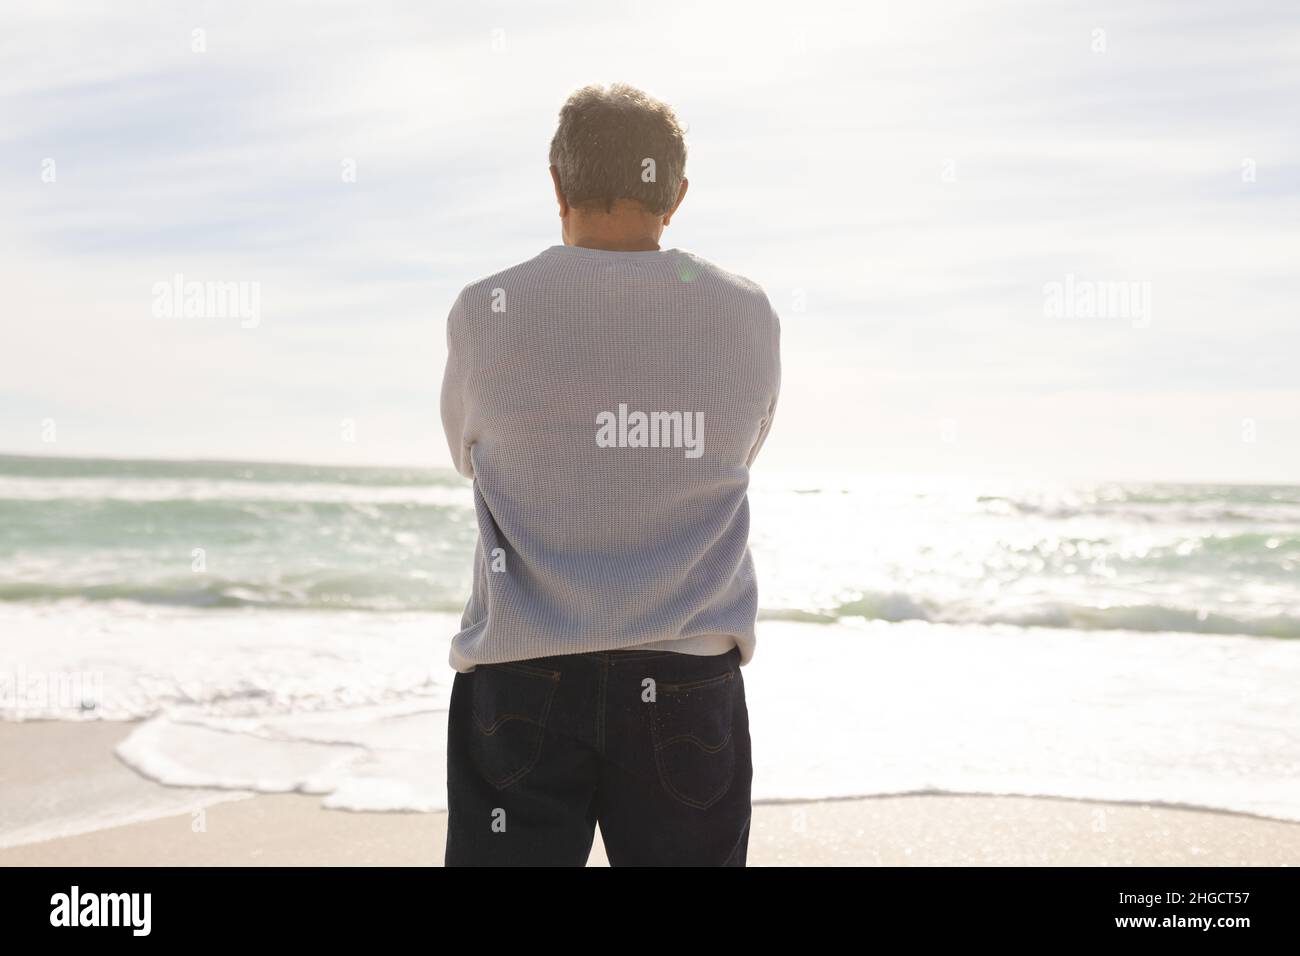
x=625, y=229
x=616, y=244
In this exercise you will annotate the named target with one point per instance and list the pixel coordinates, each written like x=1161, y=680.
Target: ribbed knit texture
x=582, y=547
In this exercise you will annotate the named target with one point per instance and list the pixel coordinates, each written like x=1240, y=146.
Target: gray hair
x=611, y=141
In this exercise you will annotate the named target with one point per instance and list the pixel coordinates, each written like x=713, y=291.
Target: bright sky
x=911, y=182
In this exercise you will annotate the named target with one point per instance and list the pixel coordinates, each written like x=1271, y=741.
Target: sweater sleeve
x=776, y=386
x=453, y=391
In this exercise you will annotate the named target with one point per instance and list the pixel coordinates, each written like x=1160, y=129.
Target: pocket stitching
x=531, y=669
x=696, y=684
x=553, y=677
x=665, y=778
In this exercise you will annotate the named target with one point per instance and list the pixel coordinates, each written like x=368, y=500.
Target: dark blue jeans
x=651, y=745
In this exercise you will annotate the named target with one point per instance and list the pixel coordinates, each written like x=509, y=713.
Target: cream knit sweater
x=608, y=406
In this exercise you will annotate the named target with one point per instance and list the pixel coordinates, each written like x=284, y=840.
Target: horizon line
x=837, y=472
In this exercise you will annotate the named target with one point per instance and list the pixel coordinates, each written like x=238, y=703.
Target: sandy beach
x=46, y=763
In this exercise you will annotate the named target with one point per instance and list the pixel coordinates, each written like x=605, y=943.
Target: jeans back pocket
x=510, y=703
x=691, y=729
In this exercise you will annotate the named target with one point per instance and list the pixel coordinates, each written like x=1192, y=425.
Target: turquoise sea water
x=286, y=627
x=1149, y=557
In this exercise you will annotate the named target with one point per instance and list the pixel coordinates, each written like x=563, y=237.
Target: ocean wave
x=1202, y=512
x=118, y=470
x=205, y=535
x=1154, y=618
x=1154, y=495
x=334, y=591
x=329, y=592
x=161, y=490
x=1203, y=721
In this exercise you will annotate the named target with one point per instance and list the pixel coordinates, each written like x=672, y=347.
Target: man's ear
x=681, y=194
x=559, y=192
